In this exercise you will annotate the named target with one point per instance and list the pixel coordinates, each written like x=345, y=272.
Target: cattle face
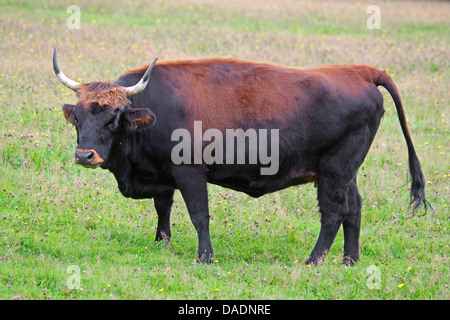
x=101, y=116
x=99, y=127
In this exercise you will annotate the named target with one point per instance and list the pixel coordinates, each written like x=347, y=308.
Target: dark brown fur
x=257, y=91
x=102, y=93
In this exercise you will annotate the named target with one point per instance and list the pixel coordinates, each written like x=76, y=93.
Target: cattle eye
x=111, y=123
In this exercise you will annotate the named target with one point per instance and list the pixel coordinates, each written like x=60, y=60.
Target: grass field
x=56, y=215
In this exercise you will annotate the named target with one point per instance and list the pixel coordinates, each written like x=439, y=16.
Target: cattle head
x=102, y=114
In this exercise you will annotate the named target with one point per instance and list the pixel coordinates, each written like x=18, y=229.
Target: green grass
x=55, y=215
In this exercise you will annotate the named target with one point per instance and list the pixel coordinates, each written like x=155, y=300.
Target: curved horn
x=69, y=83
x=142, y=83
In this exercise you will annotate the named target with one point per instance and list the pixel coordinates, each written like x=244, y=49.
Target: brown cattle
x=320, y=122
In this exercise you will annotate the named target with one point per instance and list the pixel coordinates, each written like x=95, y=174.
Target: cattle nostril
x=84, y=157
x=90, y=157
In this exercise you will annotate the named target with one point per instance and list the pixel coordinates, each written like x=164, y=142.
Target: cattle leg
x=337, y=192
x=163, y=204
x=333, y=206
x=192, y=185
x=352, y=225
x=197, y=205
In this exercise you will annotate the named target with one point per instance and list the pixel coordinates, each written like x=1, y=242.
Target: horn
x=142, y=83
x=69, y=83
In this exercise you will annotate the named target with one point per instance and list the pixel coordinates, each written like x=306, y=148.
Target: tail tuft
x=417, y=196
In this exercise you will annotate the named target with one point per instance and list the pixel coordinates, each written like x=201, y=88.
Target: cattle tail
x=417, y=196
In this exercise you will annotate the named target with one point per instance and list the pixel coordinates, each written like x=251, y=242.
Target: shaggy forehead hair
x=104, y=94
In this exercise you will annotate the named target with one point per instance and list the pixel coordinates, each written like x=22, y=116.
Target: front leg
x=191, y=181
x=163, y=204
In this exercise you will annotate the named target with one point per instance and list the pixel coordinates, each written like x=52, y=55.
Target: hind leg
x=333, y=204
x=339, y=200
x=352, y=225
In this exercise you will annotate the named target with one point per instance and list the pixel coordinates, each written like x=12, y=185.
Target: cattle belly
x=256, y=185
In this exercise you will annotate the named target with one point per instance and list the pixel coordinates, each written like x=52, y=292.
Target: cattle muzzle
x=88, y=158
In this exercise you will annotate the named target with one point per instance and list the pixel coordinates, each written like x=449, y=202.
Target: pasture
x=61, y=222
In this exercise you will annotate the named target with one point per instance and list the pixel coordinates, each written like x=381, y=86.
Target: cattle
x=324, y=120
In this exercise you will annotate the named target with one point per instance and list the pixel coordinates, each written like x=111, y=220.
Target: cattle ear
x=68, y=112
x=140, y=119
